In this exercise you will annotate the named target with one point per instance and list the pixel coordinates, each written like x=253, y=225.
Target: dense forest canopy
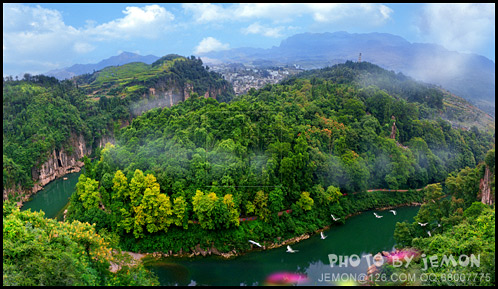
x=186, y=176
x=44, y=252
x=297, y=145
x=41, y=113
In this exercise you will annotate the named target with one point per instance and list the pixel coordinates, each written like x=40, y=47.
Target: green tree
x=261, y=206
x=233, y=212
x=305, y=202
x=88, y=192
x=120, y=186
x=180, y=212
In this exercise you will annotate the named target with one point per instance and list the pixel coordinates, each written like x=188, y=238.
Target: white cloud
x=369, y=13
x=209, y=44
x=206, y=12
x=147, y=22
x=36, y=39
x=83, y=47
x=257, y=28
x=459, y=26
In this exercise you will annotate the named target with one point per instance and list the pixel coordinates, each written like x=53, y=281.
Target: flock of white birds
x=322, y=236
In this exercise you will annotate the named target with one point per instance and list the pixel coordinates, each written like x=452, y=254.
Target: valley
x=249, y=144
x=177, y=161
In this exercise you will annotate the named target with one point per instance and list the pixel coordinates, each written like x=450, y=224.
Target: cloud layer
x=31, y=33
x=459, y=26
x=37, y=39
x=372, y=14
x=209, y=44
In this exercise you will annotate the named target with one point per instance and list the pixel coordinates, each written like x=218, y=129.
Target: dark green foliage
x=278, y=148
x=41, y=114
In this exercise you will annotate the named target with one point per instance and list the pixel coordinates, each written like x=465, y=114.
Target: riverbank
x=197, y=250
x=137, y=257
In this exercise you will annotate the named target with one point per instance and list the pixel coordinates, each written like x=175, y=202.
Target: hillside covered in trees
x=185, y=175
x=42, y=114
x=44, y=252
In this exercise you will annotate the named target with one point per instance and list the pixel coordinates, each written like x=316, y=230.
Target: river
x=54, y=197
x=361, y=235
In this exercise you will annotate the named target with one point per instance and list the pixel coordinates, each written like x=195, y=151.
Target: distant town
x=244, y=77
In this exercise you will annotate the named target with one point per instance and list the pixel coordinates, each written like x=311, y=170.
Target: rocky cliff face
x=172, y=93
x=485, y=188
x=61, y=162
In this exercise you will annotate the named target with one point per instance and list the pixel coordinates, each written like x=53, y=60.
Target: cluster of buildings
x=244, y=77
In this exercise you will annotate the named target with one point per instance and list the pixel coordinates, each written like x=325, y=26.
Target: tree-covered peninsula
x=273, y=164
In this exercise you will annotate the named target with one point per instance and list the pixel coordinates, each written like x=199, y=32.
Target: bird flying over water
x=423, y=225
x=322, y=236
x=393, y=211
x=334, y=218
x=377, y=216
x=255, y=243
x=290, y=250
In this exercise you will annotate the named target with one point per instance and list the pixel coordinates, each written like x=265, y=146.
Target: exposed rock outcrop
x=485, y=189
x=59, y=163
x=172, y=93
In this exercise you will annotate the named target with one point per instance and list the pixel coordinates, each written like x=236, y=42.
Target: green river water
x=361, y=235
x=54, y=197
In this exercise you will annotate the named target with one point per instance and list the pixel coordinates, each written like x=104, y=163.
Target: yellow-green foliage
x=149, y=208
x=87, y=190
x=44, y=252
x=214, y=212
x=305, y=202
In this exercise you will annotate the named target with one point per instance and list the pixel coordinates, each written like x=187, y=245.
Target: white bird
x=423, y=225
x=377, y=216
x=393, y=211
x=334, y=218
x=290, y=250
x=439, y=225
x=429, y=232
x=322, y=235
x=255, y=243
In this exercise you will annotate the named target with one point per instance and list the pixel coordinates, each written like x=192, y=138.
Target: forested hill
x=300, y=144
x=49, y=120
x=170, y=75
x=436, y=102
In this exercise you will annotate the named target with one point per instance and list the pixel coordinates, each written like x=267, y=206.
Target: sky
x=41, y=37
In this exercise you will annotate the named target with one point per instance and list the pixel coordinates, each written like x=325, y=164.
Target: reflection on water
x=363, y=235
x=54, y=196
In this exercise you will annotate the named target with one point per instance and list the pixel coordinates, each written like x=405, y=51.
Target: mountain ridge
x=122, y=58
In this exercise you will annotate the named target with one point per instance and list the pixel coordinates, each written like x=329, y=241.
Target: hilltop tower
x=359, y=58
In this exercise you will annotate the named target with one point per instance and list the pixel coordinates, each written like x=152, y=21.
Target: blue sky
x=41, y=37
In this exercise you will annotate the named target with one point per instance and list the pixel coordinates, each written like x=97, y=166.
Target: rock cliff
x=485, y=188
x=59, y=163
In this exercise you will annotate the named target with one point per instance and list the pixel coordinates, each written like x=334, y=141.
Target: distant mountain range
x=78, y=69
x=470, y=76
